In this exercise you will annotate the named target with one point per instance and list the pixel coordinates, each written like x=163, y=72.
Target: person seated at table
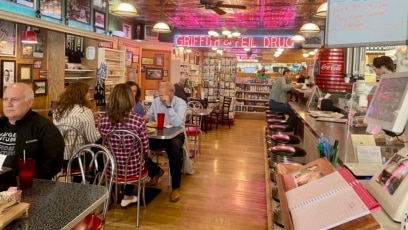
x=119, y=115
x=74, y=109
x=138, y=108
x=278, y=98
x=179, y=88
x=25, y=131
x=174, y=109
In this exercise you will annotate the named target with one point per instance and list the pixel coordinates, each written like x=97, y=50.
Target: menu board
x=354, y=23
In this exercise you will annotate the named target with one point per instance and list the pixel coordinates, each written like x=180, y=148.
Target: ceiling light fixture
x=29, y=36
x=309, y=27
x=305, y=55
x=161, y=26
x=124, y=9
x=247, y=49
x=298, y=39
x=226, y=34
x=321, y=11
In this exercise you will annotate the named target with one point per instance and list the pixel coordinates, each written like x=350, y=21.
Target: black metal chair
x=222, y=115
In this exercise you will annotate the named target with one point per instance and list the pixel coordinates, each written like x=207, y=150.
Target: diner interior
x=240, y=158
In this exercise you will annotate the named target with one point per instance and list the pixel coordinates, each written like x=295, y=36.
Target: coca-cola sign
x=331, y=67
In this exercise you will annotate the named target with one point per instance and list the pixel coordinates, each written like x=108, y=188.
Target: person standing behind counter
x=23, y=130
x=278, y=98
x=383, y=65
x=175, y=109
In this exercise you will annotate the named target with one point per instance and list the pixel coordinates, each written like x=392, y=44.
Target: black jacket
x=40, y=139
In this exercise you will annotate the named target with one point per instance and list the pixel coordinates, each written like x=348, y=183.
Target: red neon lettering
x=179, y=41
x=266, y=42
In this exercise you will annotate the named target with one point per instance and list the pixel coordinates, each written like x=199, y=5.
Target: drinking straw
x=24, y=157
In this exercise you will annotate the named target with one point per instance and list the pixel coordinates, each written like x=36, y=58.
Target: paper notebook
x=328, y=202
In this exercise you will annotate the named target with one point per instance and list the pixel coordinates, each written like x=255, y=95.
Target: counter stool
x=276, y=116
x=279, y=128
x=285, y=139
x=286, y=153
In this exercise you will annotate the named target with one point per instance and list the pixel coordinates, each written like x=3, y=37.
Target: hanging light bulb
x=309, y=28
x=161, y=26
x=124, y=9
x=321, y=11
x=29, y=36
x=298, y=39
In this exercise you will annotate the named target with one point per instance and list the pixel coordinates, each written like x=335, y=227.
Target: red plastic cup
x=160, y=120
x=26, y=172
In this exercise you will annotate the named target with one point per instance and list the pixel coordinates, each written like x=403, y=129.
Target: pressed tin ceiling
x=259, y=14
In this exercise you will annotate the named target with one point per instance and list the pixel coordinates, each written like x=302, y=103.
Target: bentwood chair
x=193, y=125
x=74, y=139
x=128, y=144
x=104, y=175
x=222, y=115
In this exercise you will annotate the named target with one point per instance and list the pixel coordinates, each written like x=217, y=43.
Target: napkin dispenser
x=7, y=178
x=325, y=104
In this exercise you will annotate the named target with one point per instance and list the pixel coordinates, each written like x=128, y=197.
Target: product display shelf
x=251, y=97
x=115, y=67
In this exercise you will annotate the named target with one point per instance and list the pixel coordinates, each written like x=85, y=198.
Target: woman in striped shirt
x=73, y=109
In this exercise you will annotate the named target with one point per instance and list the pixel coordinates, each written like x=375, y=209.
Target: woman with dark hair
x=138, y=108
x=383, y=65
x=120, y=116
x=73, y=109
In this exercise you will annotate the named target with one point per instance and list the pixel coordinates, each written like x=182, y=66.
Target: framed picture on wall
x=29, y=3
x=8, y=43
x=33, y=50
x=147, y=61
x=8, y=73
x=40, y=87
x=79, y=11
x=129, y=59
x=42, y=74
x=51, y=8
x=165, y=73
x=37, y=64
x=159, y=60
x=25, y=72
x=127, y=30
x=154, y=74
x=99, y=19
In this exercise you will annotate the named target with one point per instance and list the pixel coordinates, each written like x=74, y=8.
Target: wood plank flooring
x=227, y=190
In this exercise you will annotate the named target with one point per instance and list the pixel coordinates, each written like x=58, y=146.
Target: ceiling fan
x=215, y=6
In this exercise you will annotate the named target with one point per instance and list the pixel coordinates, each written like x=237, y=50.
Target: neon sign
x=266, y=41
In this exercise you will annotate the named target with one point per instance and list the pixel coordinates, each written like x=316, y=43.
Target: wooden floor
x=227, y=190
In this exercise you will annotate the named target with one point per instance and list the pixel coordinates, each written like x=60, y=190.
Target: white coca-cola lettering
x=331, y=67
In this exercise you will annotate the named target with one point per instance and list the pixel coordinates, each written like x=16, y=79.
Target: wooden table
x=58, y=205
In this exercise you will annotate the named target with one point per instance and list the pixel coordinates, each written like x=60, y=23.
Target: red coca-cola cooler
x=329, y=70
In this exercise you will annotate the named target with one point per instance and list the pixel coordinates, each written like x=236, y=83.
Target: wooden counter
x=310, y=130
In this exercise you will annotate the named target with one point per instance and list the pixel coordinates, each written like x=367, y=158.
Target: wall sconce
x=29, y=36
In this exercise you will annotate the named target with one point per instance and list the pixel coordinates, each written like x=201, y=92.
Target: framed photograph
x=29, y=3
x=129, y=59
x=51, y=8
x=165, y=73
x=135, y=58
x=8, y=43
x=127, y=30
x=25, y=73
x=154, y=74
x=40, y=87
x=43, y=74
x=159, y=60
x=152, y=92
x=132, y=74
x=37, y=64
x=79, y=11
x=313, y=40
x=147, y=61
x=99, y=19
x=143, y=70
x=8, y=73
x=33, y=50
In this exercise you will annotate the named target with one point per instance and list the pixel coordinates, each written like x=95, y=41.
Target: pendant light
x=161, y=26
x=29, y=36
x=309, y=27
x=321, y=11
x=124, y=9
x=298, y=39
